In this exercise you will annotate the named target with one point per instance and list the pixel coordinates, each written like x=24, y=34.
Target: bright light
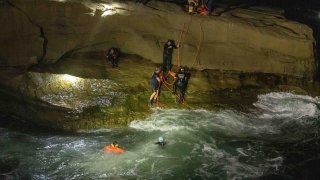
x=70, y=78
x=108, y=10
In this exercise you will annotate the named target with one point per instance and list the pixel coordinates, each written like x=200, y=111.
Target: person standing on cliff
x=113, y=56
x=209, y=5
x=167, y=54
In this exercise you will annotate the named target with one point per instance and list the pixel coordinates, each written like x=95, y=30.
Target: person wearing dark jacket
x=155, y=83
x=180, y=84
x=209, y=5
x=113, y=57
x=167, y=54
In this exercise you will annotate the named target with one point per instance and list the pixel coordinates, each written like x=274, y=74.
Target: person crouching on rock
x=113, y=56
x=155, y=86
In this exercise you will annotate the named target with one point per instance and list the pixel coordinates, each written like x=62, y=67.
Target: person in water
x=115, y=144
x=161, y=141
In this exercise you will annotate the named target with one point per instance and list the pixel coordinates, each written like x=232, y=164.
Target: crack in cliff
x=42, y=33
x=71, y=51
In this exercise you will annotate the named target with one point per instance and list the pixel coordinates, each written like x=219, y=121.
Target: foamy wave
x=287, y=105
x=162, y=120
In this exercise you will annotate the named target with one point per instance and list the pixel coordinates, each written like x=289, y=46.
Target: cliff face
x=239, y=50
x=245, y=40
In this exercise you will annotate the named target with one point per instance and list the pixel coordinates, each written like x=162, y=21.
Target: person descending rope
x=161, y=142
x=155, y=84
x=180, y=84
x=167, y=54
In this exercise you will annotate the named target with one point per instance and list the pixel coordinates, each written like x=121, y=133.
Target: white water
x=224, y=144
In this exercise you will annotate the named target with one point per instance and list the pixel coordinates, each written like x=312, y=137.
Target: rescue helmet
x=160, y=139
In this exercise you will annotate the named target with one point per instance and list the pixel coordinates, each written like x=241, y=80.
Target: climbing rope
x=185, y=30
x=199, y=45
x=183, y=34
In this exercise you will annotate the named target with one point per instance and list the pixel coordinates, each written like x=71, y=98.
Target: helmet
x=160, y=139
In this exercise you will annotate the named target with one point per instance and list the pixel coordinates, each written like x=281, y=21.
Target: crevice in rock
x=41, y=60
x=71, y=51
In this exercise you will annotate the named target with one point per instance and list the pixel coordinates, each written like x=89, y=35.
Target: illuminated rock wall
x=246, y=40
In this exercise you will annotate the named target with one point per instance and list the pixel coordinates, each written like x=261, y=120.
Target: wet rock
x=241, y=52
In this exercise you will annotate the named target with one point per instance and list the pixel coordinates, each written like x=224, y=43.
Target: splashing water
x=201, y=144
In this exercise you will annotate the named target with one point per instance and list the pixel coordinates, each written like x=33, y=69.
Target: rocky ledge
x=54, y=72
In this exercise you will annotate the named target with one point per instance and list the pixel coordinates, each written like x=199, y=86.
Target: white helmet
x=160, y=139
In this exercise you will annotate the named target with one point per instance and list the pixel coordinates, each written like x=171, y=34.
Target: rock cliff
x=246, y=40
x=44, y=42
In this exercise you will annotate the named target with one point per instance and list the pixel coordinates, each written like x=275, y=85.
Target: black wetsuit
x=167, y=56
x=161, y=143
x=180, y=85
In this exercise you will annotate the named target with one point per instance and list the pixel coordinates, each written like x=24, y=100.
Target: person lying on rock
x=113, y=56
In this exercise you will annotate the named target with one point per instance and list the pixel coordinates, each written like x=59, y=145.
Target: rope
x=180, y=42
x=199, y=44
x=182, y=38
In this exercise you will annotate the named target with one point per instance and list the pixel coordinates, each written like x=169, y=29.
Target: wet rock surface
x=86, y=92
x=64, y=82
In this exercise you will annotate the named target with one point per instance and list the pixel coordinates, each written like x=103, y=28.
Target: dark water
x=276, y=139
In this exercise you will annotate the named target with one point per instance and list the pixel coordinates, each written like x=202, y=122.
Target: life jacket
x=154, y=80
x=181, y=79
x=203, y=11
